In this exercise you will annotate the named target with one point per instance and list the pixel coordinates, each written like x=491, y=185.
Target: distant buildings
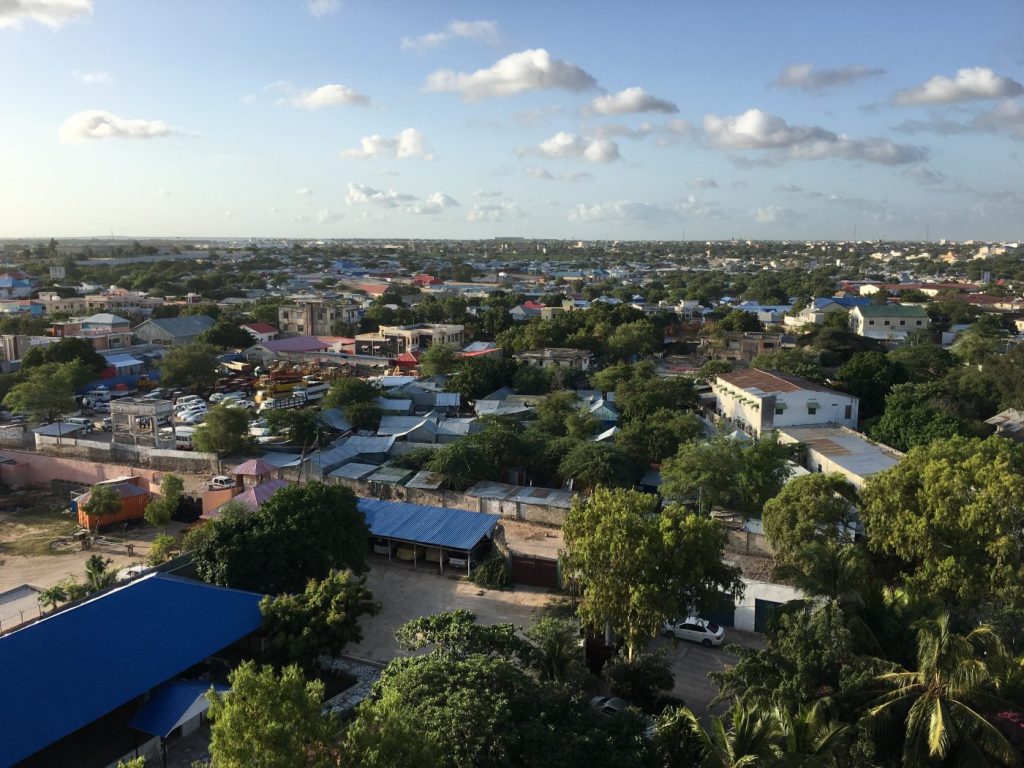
x=558, y=357
x=394, y=340
x=174, y=331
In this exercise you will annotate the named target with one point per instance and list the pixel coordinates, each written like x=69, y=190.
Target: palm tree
x=751, y=739
x=947, y=697
x=97, y=574
x=808, y=738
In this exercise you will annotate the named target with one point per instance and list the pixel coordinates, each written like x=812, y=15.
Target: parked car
x=694, y=629
x=193, y=417
x=222, y=481
x=101, y=407
x=84, y=423
x=609, y=706
x=154, y=394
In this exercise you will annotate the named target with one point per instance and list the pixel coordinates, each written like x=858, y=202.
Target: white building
x=888, y=322
x=761, y=401
x=832, y=449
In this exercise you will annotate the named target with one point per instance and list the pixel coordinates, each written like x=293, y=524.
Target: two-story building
x=888, y=322
x=558, y=357
x=393, y=340
x=759, y=402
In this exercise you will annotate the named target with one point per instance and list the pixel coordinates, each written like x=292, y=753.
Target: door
x=721, y=610
x=764, y=612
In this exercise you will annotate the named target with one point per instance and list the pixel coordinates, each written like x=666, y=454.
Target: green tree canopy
x=224, y=431
x=809, y=508
x=47, y=392
x=320, y=621
x=951, y=514
x=349, y=390
x=271, y=720
x=869, y=376
x=192, y=365
x=590, y=465
x=477, y=377
x=635, y=567
x=657, y=437
x=299, y=425
x=636, y=339
x=226, y=333
x=302, y=532
x=66, y=351
x=440, y=359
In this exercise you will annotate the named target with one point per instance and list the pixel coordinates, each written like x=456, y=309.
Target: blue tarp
x=73, y=667
x=420, y=524
x=169, y=705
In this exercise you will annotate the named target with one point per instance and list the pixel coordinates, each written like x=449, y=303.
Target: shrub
x=493, y=573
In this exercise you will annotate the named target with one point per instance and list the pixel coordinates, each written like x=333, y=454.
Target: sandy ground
x=407, y=593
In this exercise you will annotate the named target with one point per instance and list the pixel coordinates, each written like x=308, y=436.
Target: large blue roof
x=433, y=526
x=75, y=666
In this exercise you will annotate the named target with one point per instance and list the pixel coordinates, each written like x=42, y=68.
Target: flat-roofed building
x=838, y=449
x=888, y=322
x=759, y=401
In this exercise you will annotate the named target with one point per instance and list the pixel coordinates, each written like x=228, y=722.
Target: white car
x=222, y=481
x=191, y=408
x=192, y=417
x=694, y=629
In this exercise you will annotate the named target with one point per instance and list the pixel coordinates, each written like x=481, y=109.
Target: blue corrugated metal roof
x=169, y=704
x=69, y=669
x=433, y=526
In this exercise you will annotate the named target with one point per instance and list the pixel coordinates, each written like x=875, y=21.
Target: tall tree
x=440, y=359
x=47, y=392
x=161, y=509
x=224, y=431
x=349, y=390
x=66, y=351
x=950, y=513
x=945, y=700
x=301, y=532
x=811, y=508
x=590, y=465
x=271, y=720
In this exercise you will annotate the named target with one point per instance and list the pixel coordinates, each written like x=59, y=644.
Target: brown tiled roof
x=770, y=381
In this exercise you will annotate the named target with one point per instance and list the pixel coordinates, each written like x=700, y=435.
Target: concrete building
x=888, y=322
x=53, y=302
x=314, y=316
x=138, y=421
x=393, y=340
x=261, y=331
x=838, y=449
x=741, y=346
x=558, y=357
x=117, y=300
x=761, y=401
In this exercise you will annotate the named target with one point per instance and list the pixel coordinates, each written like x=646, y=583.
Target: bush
x=493, y=573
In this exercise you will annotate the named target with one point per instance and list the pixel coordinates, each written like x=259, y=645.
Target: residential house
x=15, y=285
x=835, y=449
x=394, y=340
x=53, y=302
x=21, y=307
x=888, y=322
x=759, y=401
x=558, y=357
x=260, y=331
x=740, y=346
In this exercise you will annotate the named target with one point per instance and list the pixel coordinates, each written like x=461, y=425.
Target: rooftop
x=846, y=448
x=183, y=623
x=759, y=382
x=433, y=526
x=891, y=310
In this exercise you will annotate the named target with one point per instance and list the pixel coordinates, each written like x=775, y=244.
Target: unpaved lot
x=406, y=593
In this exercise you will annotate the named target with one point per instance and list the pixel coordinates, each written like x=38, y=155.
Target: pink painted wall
x=40, y=469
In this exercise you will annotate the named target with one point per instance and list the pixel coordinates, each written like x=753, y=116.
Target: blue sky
x=603, y=120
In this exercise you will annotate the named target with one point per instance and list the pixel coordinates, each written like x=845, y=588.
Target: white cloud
x=482, y=31
x=532, y=70
x=303, y=191
x=408, y=143
x=323, y=7
x=631, y=100
x=92, y=78
x=488, y=193
x=327, y=216
x=617, y=130
x=758, y=130
x=968, y=84
x=773, y=214
x=571, y=145
x=806, y=77
x=703, y=183
x=495, y=211
x=52, y=13
x=619, y=210
x=360, y=194
x=1006, y=117
x=97, y=124
x=330, y=95
x=226, y=215
x=545, y=175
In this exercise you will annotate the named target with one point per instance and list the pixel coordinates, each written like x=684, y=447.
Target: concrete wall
x=749, y=543
x=168, y=460
x=760, y=590
x=41, y=469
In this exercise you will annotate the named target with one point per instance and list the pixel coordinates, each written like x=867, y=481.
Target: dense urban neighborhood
x=511, y=502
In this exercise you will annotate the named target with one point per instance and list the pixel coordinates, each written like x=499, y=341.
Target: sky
x=754, y=119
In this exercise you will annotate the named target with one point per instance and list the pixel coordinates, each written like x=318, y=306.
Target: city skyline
x=330, y=119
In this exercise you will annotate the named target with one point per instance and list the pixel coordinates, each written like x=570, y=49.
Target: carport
x=425, y=528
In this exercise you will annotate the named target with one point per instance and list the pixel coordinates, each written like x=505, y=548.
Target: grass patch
x=35, y=527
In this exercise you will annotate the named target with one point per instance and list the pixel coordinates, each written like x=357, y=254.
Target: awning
x=172, y=705
x=780, y=406
x=813, y=404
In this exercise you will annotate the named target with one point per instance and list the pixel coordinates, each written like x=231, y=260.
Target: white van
x=183, y=438
x=81, y=421
x=188, y=399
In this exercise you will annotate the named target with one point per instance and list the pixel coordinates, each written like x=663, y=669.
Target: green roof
x=891, y=310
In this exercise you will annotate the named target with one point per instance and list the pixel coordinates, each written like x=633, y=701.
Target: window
x=903, y=322
x=918, y=322
x=871, y=322
x=848, y=412
x=779, y=410
x=886, y=322
x=811, y=410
